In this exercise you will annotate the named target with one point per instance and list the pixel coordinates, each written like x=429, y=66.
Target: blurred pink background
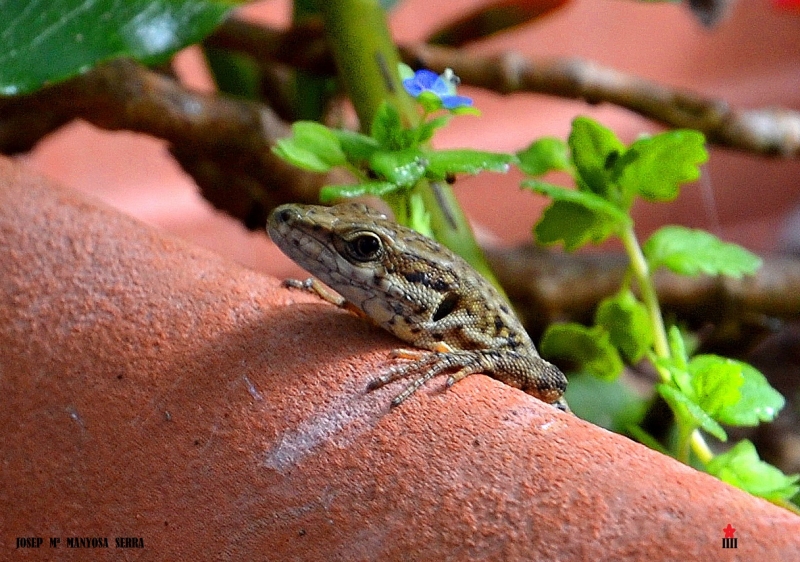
x=752, y=60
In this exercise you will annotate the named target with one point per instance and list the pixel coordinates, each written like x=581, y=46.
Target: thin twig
x=766, y=131
x=548, y=286
x=769, y=131
x=222, y=142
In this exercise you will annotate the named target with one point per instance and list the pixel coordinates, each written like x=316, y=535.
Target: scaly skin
x=419, y=291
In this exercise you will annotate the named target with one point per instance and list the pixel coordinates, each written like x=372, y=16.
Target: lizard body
x=419, y=291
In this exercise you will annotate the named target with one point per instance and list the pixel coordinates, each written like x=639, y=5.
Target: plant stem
x=687, y=438
x=367, y=60
x=366, y=57
x=641, y=272
x=700, y=447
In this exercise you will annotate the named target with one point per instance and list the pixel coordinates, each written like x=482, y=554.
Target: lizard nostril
x=286, y=215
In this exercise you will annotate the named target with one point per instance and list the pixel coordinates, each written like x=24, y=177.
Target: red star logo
x=729, y=531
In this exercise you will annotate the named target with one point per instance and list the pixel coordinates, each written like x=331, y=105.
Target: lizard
x=416, y=289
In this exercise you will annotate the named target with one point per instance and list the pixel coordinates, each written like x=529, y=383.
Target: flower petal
x=426, y=78
x=413, y=87
x=441, y=87
x=453, y=102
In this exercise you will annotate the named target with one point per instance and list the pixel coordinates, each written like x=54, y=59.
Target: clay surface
x=154, y=390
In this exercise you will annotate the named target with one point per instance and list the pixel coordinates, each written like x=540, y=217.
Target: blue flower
x=442, y=86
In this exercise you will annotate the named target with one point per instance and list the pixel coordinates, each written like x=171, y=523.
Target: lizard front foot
x=426, y=365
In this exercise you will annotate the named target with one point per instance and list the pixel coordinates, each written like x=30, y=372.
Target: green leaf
x=590, y=201
x=589, y=347
x=609, y=404
x=759, y=402
x=677, y=347
x=595, y=149
x=234, y=73
x=424, y=132
x=404, y=71
x=402, y=167
x=628, y=324
x=742, y=467
x=300, y=157
x=430, y=102
x=331, y=193
x=655, y=167
x=418, y=216
x=716, y=382
x=572, y=224
x=575, y=217
x=387, y=128
x=356, y=146
x=443, y=162
x=465, y=110
x=679, y=373
x=691, y=252
x=544, y=155
x=47, y=41
x=689, y=411
x=312, y=147
x=320, y=140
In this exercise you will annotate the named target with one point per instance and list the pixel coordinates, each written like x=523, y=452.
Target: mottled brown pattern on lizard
x=419, y=291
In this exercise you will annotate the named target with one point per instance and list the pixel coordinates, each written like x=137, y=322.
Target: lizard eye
x=364, y=246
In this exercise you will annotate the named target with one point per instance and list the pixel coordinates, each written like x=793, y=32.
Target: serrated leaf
x=590, y=201
x=425, y=131
x=320, y=140
x=628, y=324
x=679, y=375
x=609, y=404
x=572, y=224
x=759, y=402
x=575, y=217
x=690, y=252
x=312, y=147
x=655, y=167
x=595, y=149
x=544, y=155
x=443, y=162
x=677, y=347
x=589, y=347
x=742, y=467
x=357, y=147
x=298, y=156
x=47, y=41
x=330, y=193
x=387, y=127
x=716, y=382
x=689, y=411
x=402, y=167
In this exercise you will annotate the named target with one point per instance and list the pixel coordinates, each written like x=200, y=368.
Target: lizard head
x=357, y=234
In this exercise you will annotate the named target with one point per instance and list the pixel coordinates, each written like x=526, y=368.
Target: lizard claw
x=420, y=360
x=426, y=365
